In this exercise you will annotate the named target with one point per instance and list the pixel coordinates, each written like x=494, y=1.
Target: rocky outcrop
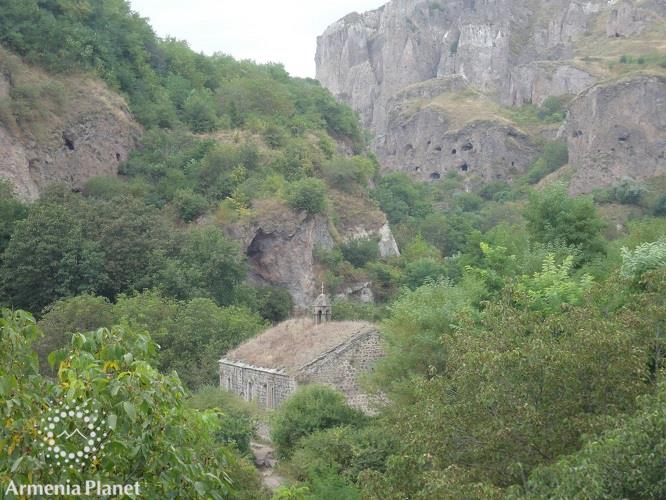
x=433, y=81
x=365, y=59
x=627, y=17
x=428, y=144
x=617, y=130
x=533, y=83
x=83, y=130
x=280, y=243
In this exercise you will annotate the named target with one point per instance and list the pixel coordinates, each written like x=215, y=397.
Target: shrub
x=628, y=191
x=190, y=204
x=344, y=451
x=553, y=216
x=312, y=408
x=496, y=191
x=555, y=154
x=548, y=290
x=237, y=425
x=307, y=194
x=628, y=461
x=646, y=257
x=347, y=173
x=354, y=310
x=659, y=207
x=199, y=112
x=551, y=110
x=360, y=251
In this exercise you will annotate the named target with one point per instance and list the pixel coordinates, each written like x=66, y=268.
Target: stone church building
x=269, y=367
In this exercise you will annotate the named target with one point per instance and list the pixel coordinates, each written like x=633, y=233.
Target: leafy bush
x=659, y=207
x=65, y=317
x=359, y=251
x=627, y=461
x=553, y=287
x=552, y=110
x=151, y=425
x=628, y=191
x=555, y=154
x=348, y=174
x=272, y=303
x=496, y=191
x=206, y=264
x=307, y=194
x=424, y=270
x=644, y=258
x=190, y=205
x=355, y=310
x=344, y=451
x=237, y=426
x=312, y=408
x=553, y=216
x=399, y=196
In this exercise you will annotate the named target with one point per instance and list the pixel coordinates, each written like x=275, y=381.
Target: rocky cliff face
x=618, y=129
x=66, y=130
x=280, y=246
x=431, y=77
x=365, y=59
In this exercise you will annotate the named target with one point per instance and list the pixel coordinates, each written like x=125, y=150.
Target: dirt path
x=264, y=459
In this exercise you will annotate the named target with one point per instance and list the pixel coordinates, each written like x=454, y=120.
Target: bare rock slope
x=66, y=130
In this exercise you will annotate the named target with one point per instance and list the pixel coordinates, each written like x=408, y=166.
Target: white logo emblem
x=72, y=435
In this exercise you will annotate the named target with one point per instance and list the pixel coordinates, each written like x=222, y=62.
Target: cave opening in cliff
x=464, y=167
x=256, y=247
x=454, y=151
x=435, y=176
x=69, y=143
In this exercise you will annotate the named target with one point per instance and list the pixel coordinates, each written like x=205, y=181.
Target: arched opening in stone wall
x=435, y=176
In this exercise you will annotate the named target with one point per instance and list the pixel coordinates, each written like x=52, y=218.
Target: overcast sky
x=282, y=31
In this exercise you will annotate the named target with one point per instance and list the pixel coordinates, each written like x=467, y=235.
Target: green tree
x=205, y=264
x=154, y=440
x=512, y=386
x=553, y=288
x=399, y=197
x=312, y=408
x=199, y=112
x=307, y=194
x=65, y=317
x=552, y=216
x=417, y=332
x=626, y=461
x=359, y=251
x=645, y=257
x=11, y=211
x=49, y=257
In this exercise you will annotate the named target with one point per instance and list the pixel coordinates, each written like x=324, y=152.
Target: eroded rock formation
x=80, y=130
x=434, y=82
x=617, y=129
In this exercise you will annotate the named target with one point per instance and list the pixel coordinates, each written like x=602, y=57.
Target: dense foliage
x=153, y=438
x=312, y=408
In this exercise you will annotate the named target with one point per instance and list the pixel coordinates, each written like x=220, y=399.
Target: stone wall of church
x=268, y=388
x=343, y=366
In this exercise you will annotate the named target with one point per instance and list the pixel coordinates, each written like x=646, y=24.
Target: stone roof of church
x=292, y=344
